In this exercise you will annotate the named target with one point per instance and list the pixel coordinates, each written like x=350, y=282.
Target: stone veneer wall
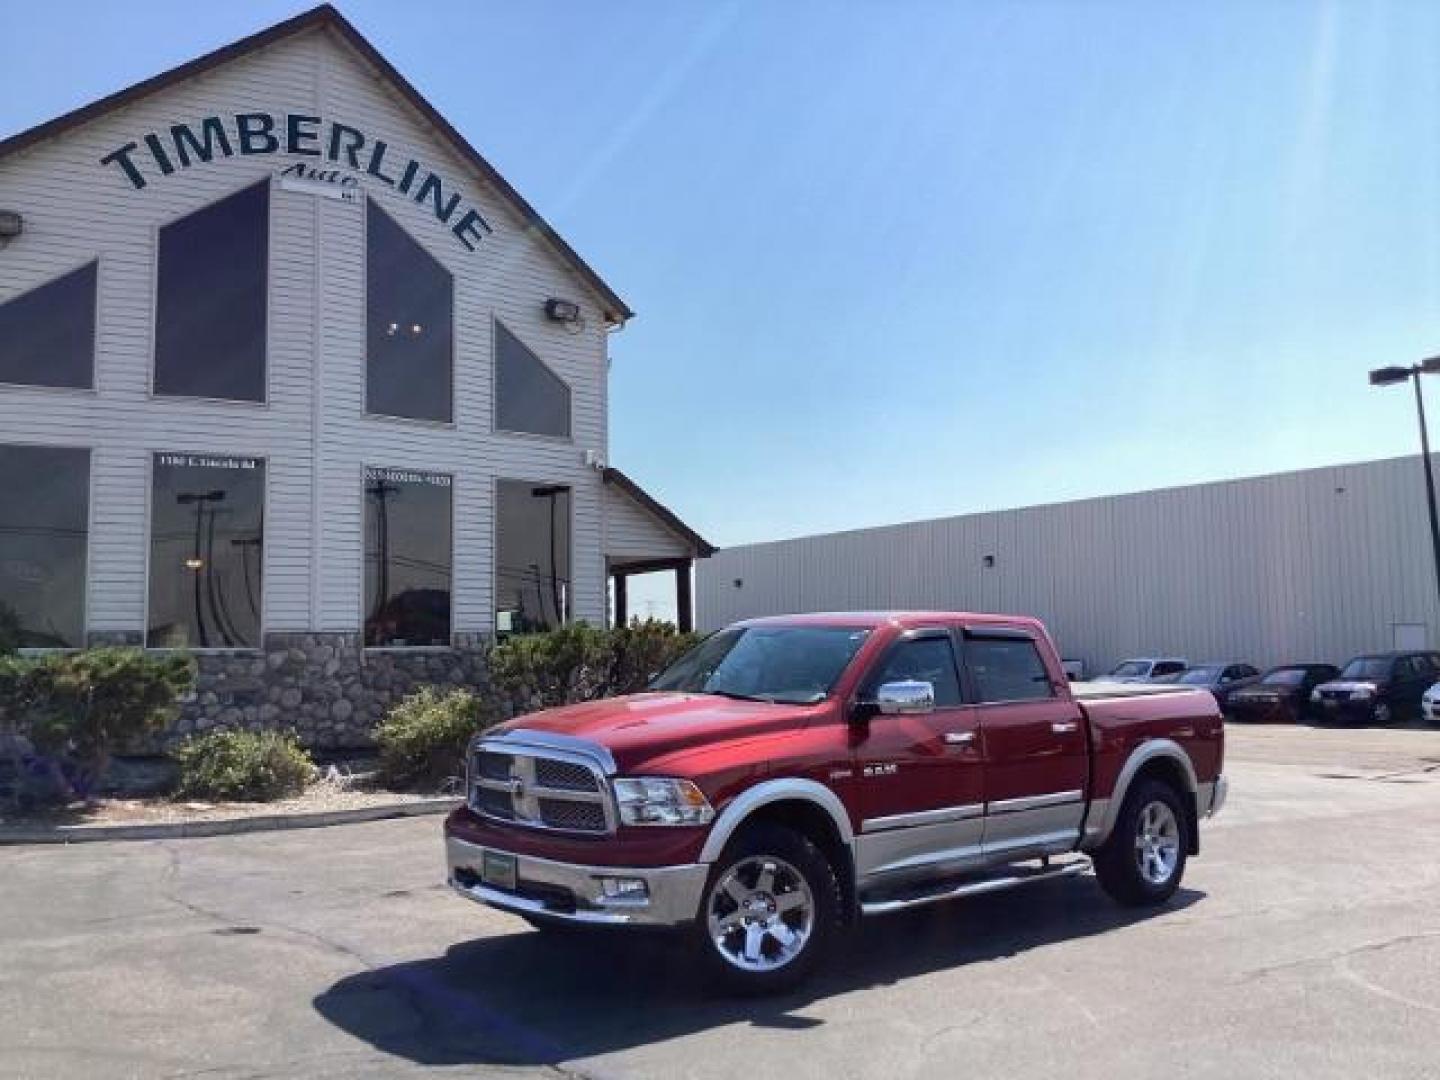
x=325, y=686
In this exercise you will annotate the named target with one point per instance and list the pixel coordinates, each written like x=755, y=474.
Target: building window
x=44, y=526
x=532, y=556
x=409, y=324
x=47, y=335
x=211, y=300
x=529, y=397
x=207, y=529
x=407, y=558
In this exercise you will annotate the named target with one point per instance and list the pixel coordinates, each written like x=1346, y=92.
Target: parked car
x=1282, y=694
x=790, y=775
x=1146, y=669
x=1221, y=678
x=1378, y=688
x=1430, y=704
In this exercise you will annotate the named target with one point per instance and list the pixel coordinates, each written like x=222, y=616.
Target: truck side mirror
x=905, y=697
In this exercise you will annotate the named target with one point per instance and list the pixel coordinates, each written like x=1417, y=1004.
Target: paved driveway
x=1306, y=943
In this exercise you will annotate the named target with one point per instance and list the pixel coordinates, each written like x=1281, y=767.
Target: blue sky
x=898, y=260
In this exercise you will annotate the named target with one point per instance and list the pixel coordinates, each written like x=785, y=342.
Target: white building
x=290, y=375
x=1315, y=565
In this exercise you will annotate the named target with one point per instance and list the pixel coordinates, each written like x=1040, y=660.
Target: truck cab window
x=1008, y=669
x=929, y=659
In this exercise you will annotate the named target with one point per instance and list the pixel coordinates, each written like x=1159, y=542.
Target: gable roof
x=667, y=517
x=616, y=310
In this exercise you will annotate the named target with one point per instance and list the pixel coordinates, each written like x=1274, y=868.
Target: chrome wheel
x=760, y=914
x=1382, y=714
x=1157, y=843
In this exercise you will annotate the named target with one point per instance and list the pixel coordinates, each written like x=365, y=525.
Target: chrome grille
x=574, y=816
x=542, y=789
x=493, y=766
x=564, y=774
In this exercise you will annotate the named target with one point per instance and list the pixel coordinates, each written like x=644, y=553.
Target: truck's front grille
x=541, y=790
x=573, y=816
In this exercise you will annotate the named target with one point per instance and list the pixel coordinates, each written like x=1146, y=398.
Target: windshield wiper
x=733, y=696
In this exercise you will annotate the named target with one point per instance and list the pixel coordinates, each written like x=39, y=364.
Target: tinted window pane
x=210, y=305
x=407, y=557
x=44, y=517
x=529, y=396
x=207, y=530
x=47, y=335
x=408, y=324
x=1008, y=670
x=929, y=660
x=532, y=556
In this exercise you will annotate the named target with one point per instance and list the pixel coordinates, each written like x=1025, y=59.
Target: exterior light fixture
x=194, y=562
x=566, y=311
x=1386, y=376
x=11, y=226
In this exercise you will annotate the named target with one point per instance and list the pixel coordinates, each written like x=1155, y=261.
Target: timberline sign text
x=254, y=133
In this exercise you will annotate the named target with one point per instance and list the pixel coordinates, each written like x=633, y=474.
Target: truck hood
x=643, y=727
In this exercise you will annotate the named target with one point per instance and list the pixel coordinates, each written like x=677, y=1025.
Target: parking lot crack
x=1338, y=957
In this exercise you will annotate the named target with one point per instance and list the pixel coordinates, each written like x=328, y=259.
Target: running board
x=1008, y=877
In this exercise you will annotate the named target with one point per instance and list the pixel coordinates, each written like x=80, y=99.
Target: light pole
x=1386, y=376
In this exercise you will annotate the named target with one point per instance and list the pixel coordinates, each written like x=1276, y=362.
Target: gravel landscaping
x=334, y=792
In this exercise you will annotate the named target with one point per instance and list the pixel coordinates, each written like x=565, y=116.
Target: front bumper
x=1261, y=712
x=570, y=892
x=1349, y=710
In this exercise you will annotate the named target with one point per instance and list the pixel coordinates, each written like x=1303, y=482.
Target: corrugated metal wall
x=1312, y=565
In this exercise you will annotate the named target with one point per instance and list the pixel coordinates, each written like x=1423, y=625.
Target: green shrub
x=422, y=741
x=578, y=662
x=243, y=766
x=76, y=709
x=641, y=651
x=539, y=671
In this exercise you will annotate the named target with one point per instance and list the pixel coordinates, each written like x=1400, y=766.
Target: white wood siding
x=1314, y=565
x=313, y=431
x=631, y=531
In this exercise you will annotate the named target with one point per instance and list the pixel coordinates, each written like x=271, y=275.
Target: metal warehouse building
x=1313, y=565
x=290, y=376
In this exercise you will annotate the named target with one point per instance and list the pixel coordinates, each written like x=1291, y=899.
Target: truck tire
x=770, y=911
x=1143, y=860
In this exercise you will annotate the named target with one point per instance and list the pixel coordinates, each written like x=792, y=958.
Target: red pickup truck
x=789, y=775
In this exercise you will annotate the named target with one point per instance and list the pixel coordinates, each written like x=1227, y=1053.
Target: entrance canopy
x=642, y=537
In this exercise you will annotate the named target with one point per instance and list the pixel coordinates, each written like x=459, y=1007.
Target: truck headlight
x=650, y=800
x=1362, y=693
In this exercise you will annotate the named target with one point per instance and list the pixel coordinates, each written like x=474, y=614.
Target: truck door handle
x=1065, y=727
x=959, y=738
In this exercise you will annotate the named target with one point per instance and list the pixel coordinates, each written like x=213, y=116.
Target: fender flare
x=771, y=791
x=1148, y=751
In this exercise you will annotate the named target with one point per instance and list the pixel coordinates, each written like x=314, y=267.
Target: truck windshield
x=1367, y=667
x=795, y=665
x=1132, y=669
x=1285, y=676
x=1200, y=676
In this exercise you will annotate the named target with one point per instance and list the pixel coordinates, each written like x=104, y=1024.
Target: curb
x=174, y=830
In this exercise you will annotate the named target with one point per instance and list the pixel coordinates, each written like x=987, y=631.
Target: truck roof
x=903, y=619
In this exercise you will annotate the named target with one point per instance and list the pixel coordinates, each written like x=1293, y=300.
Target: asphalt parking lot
x=1306, y=942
